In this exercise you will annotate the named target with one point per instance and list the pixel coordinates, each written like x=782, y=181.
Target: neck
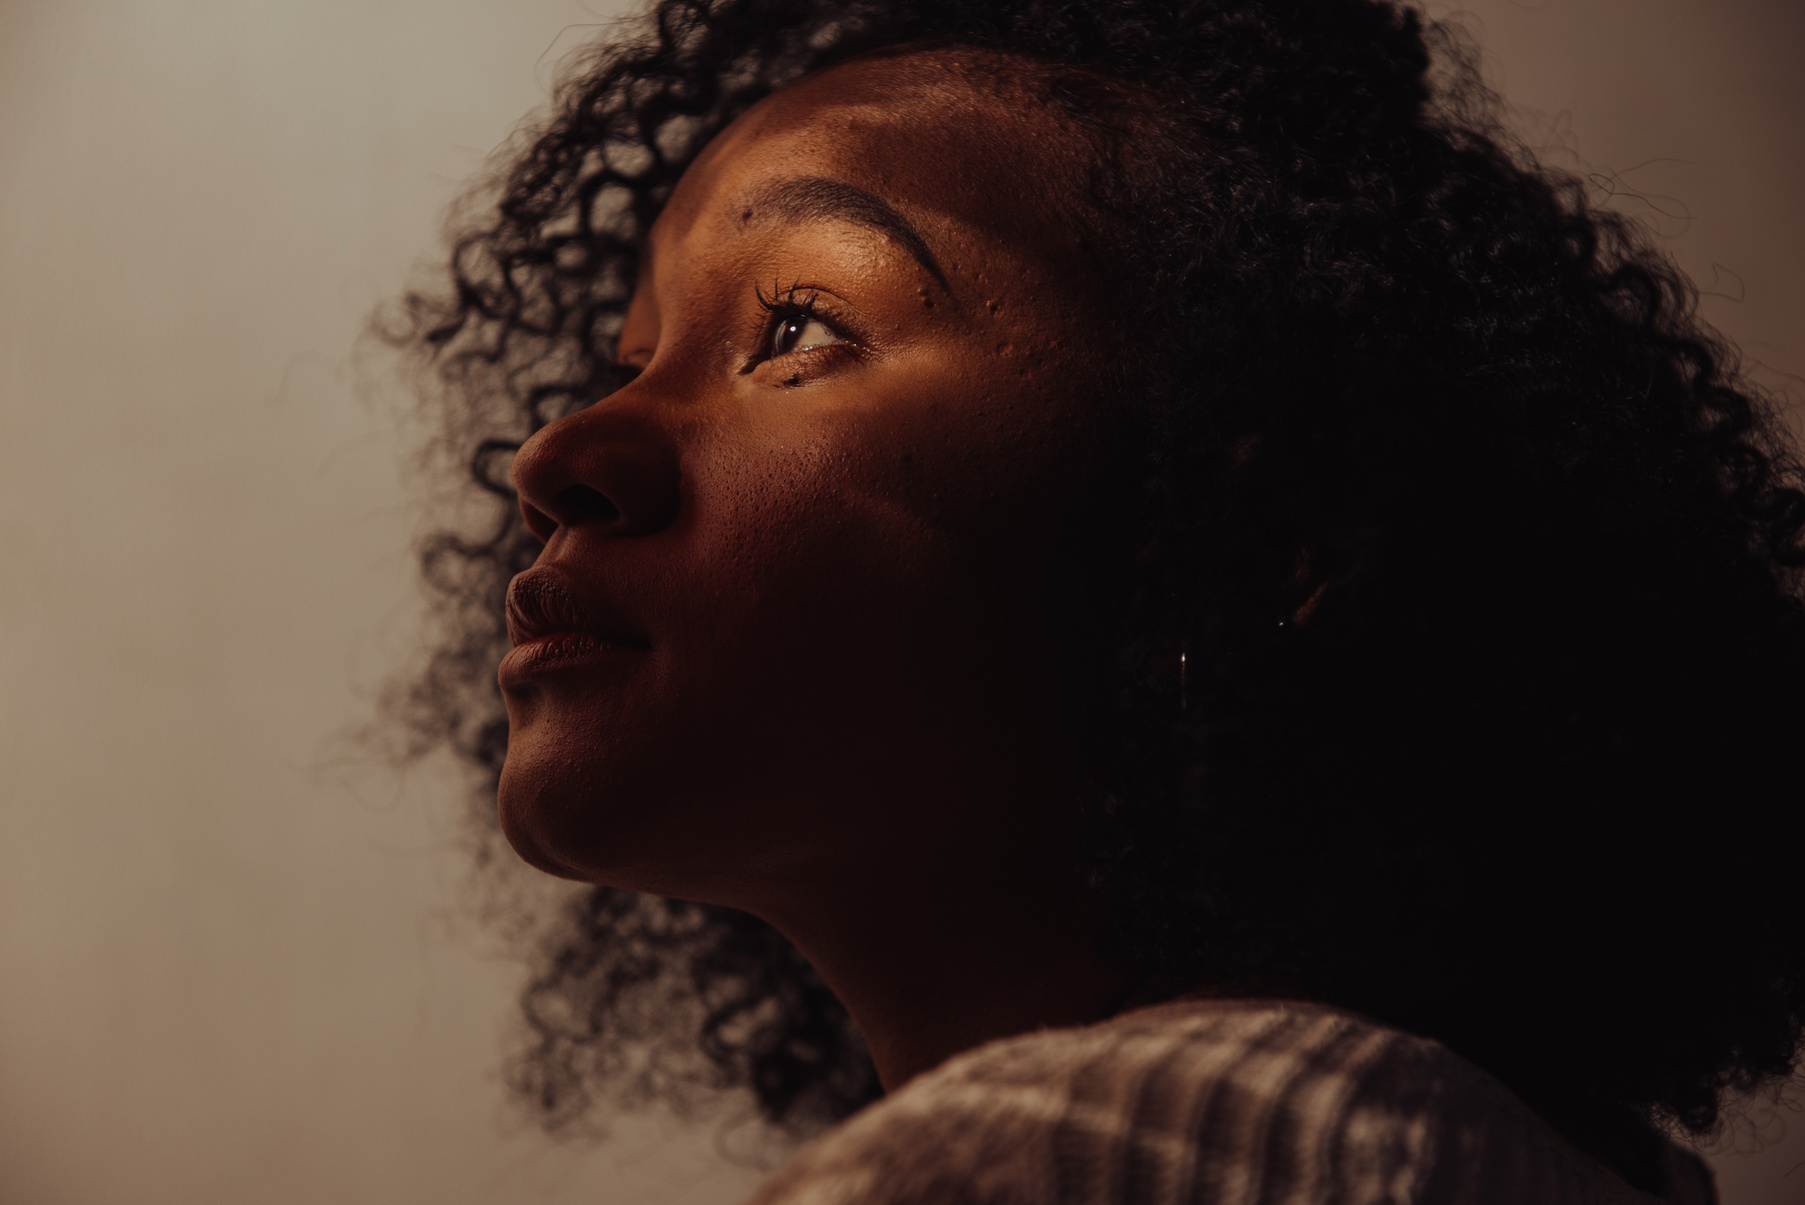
x=932, y=968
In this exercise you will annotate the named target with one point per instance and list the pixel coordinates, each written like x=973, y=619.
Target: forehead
x=945, y=139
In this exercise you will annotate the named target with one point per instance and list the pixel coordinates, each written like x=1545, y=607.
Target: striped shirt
x=1208, y=1102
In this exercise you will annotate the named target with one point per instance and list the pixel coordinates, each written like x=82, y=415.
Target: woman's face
x=827, y=588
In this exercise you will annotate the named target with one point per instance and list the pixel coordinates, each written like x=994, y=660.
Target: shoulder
x=1217, y=1100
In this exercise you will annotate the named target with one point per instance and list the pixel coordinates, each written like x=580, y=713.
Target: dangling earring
x=1184, y=693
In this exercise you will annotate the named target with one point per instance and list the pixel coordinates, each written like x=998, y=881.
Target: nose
x=606, y=469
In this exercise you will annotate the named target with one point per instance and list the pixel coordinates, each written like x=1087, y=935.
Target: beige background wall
x=229, y=968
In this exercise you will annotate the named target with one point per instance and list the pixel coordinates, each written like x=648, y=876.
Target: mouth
x=553, y=626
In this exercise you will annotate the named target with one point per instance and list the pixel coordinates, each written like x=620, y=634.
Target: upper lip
x=543, y=601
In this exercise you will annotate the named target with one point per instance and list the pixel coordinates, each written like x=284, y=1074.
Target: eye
x=798, y=332
x=791, y=325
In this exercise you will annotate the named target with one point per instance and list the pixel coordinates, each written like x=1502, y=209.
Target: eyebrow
x=818, y=199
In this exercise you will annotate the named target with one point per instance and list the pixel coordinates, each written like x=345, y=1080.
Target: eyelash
x=781, y=305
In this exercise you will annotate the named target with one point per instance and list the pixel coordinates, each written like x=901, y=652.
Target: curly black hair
x=1482, y=558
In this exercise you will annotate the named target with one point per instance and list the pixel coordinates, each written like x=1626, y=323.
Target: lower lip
x=560, y=650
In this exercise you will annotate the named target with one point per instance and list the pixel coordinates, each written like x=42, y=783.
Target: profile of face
x=827, y=587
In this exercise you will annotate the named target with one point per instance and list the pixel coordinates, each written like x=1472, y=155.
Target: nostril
x=584, y=504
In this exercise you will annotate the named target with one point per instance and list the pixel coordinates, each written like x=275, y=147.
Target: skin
x=861, y=594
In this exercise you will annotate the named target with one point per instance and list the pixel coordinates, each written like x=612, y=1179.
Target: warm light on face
x=826, y=551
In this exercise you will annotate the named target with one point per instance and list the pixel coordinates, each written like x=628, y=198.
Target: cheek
x=821, y=571
x=882, y=561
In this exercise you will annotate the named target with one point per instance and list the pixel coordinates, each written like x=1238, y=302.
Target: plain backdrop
x=232, y=970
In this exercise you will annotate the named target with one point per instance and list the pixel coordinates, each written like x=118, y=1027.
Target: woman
x=1156, y=589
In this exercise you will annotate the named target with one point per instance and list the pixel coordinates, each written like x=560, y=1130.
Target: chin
x=559, y=809
x=561, y=805
x=593, y=820
x=528, y=821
